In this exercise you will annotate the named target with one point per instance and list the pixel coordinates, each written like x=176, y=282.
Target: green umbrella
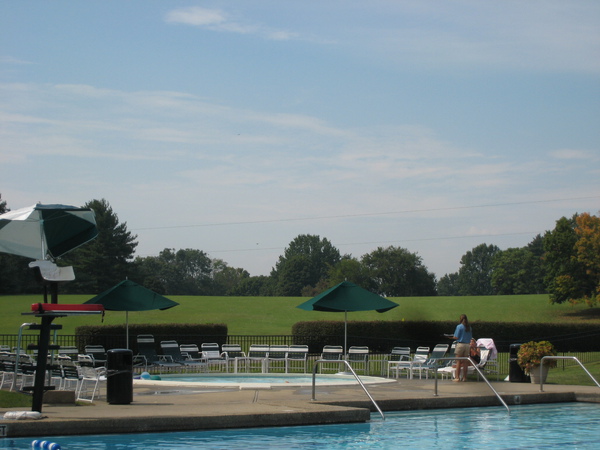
x=346, y=297
x=130, y=296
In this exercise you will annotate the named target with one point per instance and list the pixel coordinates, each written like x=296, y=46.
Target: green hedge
x=382, y=336
x=113, y=336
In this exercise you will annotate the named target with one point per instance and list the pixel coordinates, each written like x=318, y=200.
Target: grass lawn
x=276, y=315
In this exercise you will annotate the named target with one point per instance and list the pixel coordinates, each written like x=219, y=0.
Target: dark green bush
x=382, y=336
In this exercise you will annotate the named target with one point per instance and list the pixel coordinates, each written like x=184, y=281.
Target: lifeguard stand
x=50, y=276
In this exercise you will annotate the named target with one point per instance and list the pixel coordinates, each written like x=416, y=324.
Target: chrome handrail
x=467, y=358
x=314, y=376
x=565, y=357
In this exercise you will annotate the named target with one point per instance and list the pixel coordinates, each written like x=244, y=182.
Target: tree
x=105, y=261
x=258, y=286
x=516, y=271
x=448, y=285
x=305, y=262
x=186, y=272
x=566, y=277
x=475, y=273
x=226, y=279
x=396, y=272
x=587, y=249
x=352, y=270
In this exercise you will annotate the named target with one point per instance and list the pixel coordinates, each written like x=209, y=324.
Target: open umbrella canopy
x=46, y=231
x=130, y=296
x=347, y=296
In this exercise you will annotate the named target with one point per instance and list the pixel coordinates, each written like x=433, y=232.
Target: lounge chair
x=297, y=356
x=258, y=355
x=358, y=358
x=191, y=352
x=171, y=348
x=277, y=357
x=91, y=377
x=214, y=357
x=490, y=366
x=439, y=351
x=419, y=358
x=398, y=360
x=147, y=354
x=98, y=354
x=332, y=353
x=233, y=355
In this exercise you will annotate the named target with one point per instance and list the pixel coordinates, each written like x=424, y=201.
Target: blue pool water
x=277, y=379
x=558, y=425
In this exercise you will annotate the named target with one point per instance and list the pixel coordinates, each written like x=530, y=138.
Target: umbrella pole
x=345, y=333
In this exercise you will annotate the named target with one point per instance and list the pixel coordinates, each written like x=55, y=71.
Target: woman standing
x=462, y=335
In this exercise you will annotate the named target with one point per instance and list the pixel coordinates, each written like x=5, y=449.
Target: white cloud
x=218, y=20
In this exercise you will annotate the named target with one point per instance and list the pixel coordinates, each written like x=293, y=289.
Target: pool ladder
x=467, y=358
x=343, y=361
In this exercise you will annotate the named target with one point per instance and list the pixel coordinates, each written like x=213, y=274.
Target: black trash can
x=119, y=376
x=515, y=373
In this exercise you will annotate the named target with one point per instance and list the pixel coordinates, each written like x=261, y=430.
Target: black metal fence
x=10, y=341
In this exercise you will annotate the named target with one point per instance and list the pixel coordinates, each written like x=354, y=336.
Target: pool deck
x=185, y=409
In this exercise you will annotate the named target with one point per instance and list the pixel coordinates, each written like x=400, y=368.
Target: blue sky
x=234, y=126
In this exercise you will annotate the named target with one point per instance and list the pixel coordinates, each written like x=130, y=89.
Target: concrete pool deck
x=173, y=408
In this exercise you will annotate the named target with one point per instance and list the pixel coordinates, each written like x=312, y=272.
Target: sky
x=232, y=127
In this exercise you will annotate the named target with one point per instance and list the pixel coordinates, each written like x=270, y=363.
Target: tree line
x=563, y=262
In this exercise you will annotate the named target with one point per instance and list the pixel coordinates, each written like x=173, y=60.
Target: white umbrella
x=46, y=231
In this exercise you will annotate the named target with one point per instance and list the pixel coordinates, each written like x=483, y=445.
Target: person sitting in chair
x=474, y=351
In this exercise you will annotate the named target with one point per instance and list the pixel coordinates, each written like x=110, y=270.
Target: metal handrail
x=343, y=361
x=565, y=357
x=467, y=358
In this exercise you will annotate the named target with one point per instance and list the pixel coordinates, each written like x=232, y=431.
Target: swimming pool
x=555, y=425
x=253, y=381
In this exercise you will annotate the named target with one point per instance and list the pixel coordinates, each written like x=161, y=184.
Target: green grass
x=14, y=400
x=276, y=315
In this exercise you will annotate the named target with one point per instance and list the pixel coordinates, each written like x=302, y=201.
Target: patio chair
x=490, y=366
x=398, y=360
x=448, y=370
x=214, y=357
x=233, y=355
x=98, y=354
x=331, y=353
x=258, y=355
x=89, y=383
x=171, y=349
x=419, y=358
x=296, y=357
x=358, y=358
x=191, y=352
x=276, y=357
x=439, y=351
x=70, y=351
x=147, y=354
